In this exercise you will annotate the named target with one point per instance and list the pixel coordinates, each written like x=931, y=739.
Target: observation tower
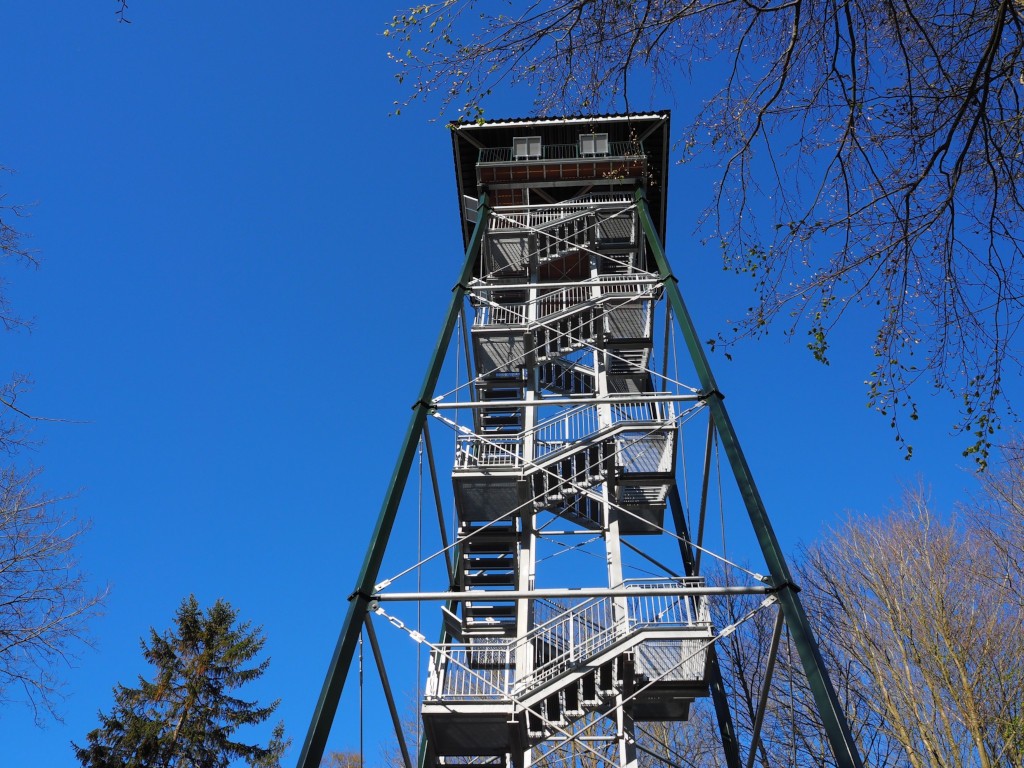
x=580, y=586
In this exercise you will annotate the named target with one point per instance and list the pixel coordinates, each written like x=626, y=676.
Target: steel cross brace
x=837, y=730
x=341, y=660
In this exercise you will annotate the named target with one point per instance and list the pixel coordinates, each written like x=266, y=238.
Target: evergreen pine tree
x=187, y=715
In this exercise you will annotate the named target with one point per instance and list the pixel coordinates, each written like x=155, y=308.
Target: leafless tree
x=912, y=615
x=44, y=601
x=12, y=250
x=871, y=154
x=999, y=518
x=341, y=760
x=13, y=435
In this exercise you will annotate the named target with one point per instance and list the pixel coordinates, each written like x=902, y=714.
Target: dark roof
x=652, y=128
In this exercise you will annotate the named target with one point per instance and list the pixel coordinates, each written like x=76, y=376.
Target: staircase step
x=606, y=675
x=492, y=538
x=489, y=631
x=628, y=361
x=479, y=547
x=501, y=390
x=534, y=725
x=501, y=418
x=490, y=611
x=488, y=562
x=489, y=579
x=572, y=700
x=567, y=378
x=553, y=709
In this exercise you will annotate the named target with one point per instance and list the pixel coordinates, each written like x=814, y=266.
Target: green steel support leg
x=837, y=730
x=330, y=695
x=726, y=729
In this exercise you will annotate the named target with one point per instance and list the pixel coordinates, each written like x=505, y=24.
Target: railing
x=545, y=610
x=571, y=427
x=558, y=231
x=486, y=671
x=539, y=218
x=565, y=428
x=500, y=314
x=481, y=671
x=652, y=609
x=558, y=238
x=632, y=283
x=569, y=641
x=551, y=303
x=583, y=203
x=561, y=152
x=472, y=451
x=644, y=452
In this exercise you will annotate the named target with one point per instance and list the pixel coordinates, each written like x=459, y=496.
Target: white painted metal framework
x=571, y=428
x=576, y=610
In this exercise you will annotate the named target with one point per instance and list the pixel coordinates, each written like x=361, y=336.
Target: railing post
x=431, y=676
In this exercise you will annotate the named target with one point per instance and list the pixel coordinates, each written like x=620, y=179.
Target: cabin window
x=593, y=144
x=526, y=147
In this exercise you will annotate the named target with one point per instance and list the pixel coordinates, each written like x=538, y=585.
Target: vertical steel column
x=837, y=729
x=330, y=694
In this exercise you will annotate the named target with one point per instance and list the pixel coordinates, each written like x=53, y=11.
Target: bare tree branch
x=44, y=603
x=884, y=139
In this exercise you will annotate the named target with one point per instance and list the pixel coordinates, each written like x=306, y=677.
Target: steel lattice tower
x=568, y=440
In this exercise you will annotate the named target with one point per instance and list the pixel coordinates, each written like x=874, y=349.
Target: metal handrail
x=616, y=149
x=487, y=670
x=572, y=427
x=564, y=300
x=477, y=451
x=589, y=203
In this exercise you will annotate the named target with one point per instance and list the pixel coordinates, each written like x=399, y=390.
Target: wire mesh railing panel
x=645, y=452
x=672, y=659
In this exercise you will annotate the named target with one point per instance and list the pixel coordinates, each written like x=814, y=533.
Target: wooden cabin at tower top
x=533, y=161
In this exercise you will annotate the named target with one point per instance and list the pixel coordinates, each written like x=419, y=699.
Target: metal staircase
x=566, y=434
x=565, y=377
x=480, y=700
x=567, y=423
x=557, y=464
x=518, y=329
x=489, y=565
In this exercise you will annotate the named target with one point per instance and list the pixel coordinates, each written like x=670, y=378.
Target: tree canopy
x=871, y=156
x=187, y=715
x=922, y=618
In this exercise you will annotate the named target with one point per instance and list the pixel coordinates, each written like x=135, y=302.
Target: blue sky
x=245, y=266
